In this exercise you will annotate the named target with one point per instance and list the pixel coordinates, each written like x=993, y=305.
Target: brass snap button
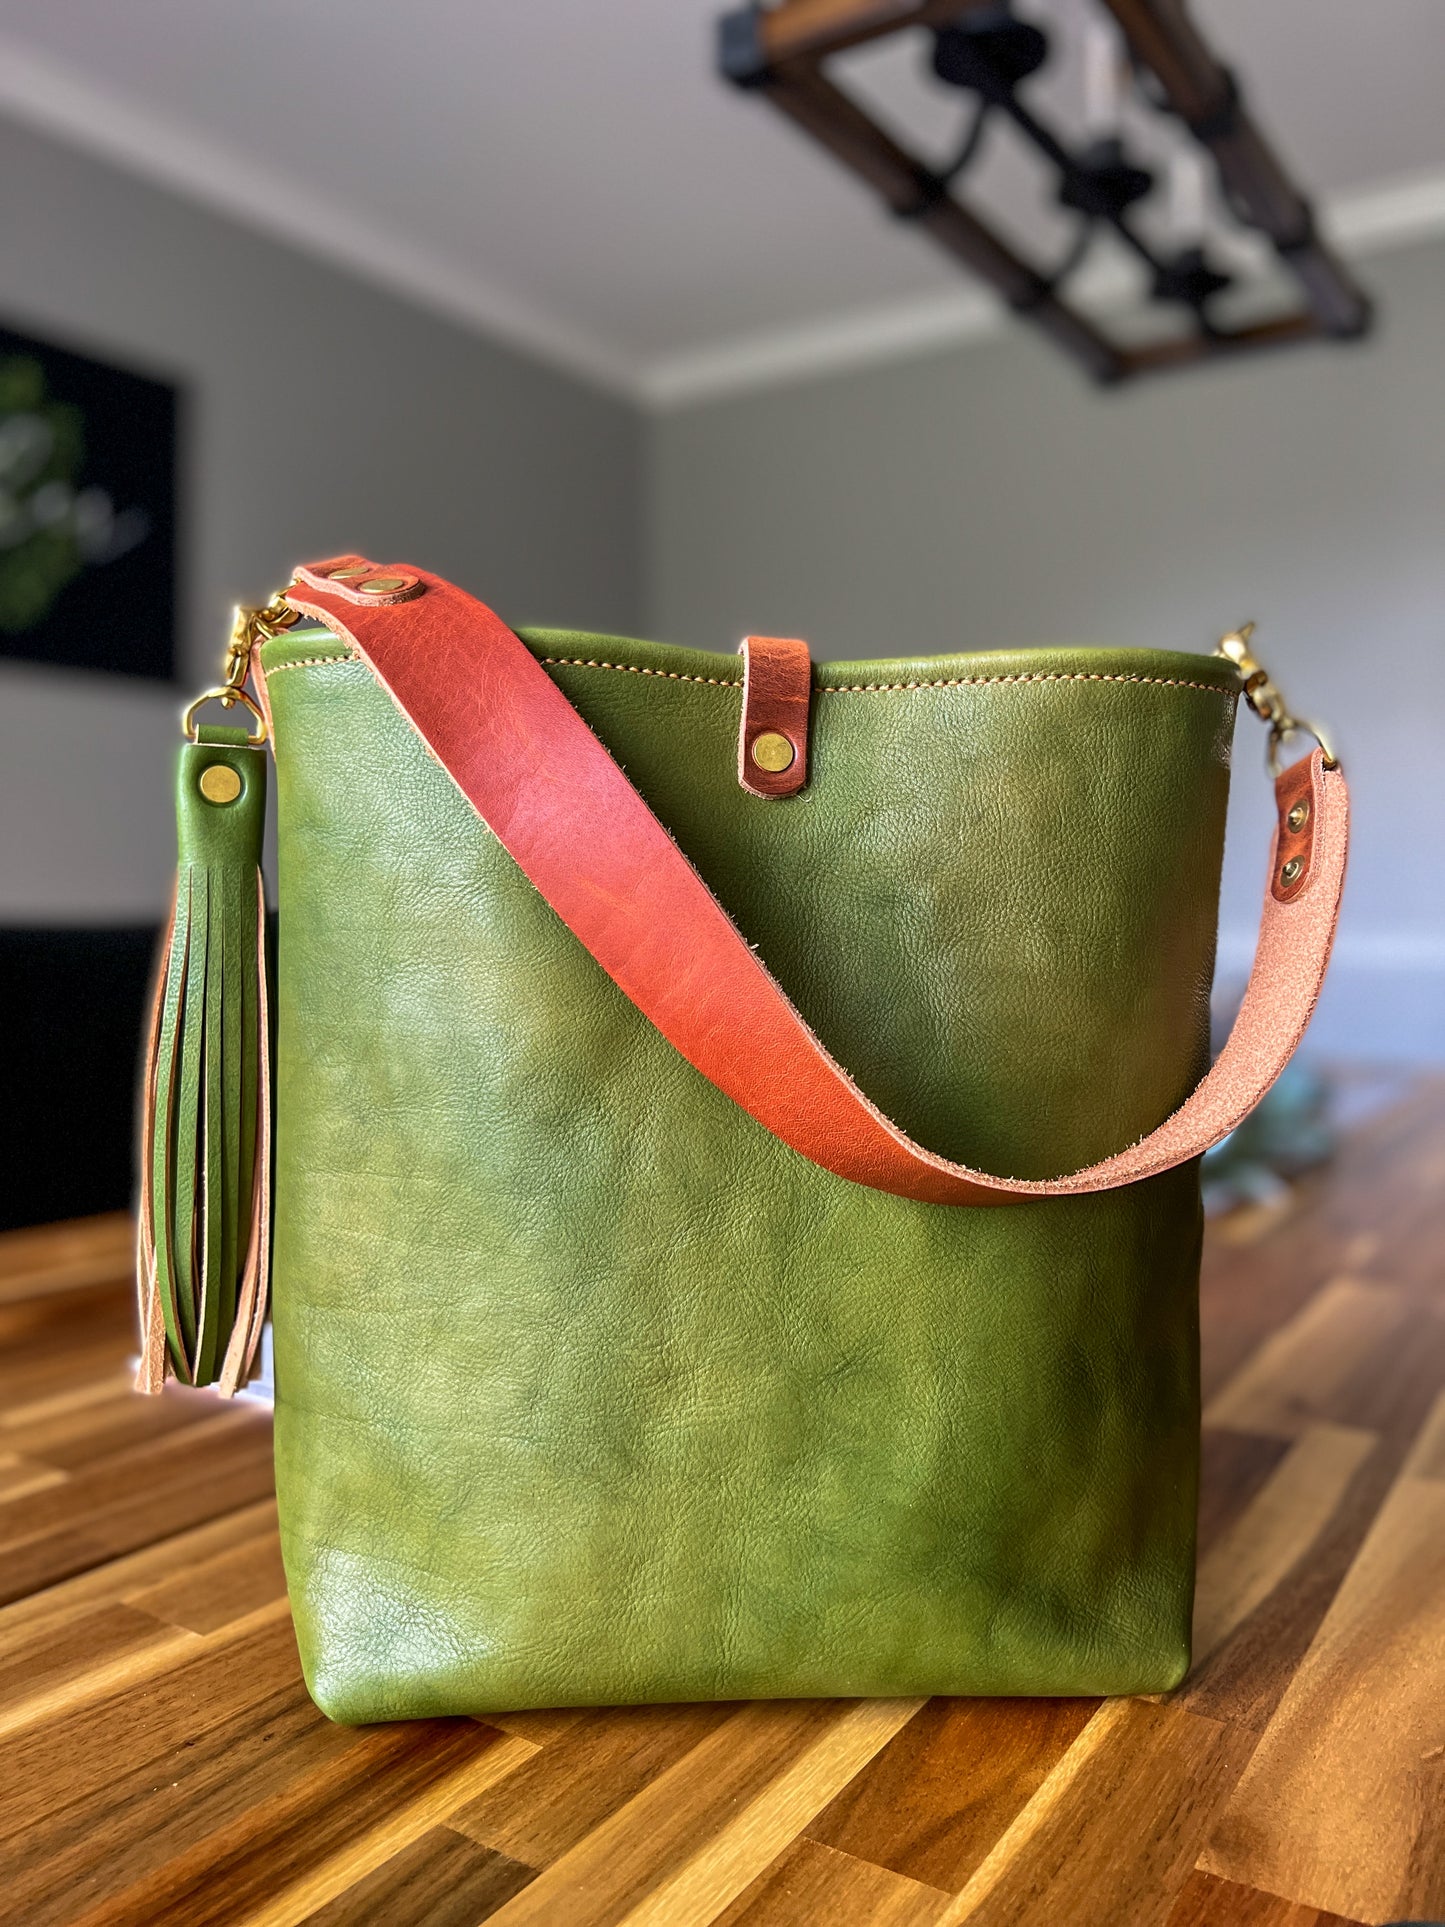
x=772, y=751
x=1299, y=815
x=220, y=783
x=1291, y=872
x=381, y=585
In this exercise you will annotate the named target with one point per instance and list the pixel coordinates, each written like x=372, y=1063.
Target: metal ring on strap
x=225, y=694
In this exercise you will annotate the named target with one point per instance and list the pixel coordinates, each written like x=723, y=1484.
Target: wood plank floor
x=160, y=1762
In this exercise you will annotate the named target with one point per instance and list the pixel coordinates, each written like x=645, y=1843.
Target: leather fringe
x=205, y=1178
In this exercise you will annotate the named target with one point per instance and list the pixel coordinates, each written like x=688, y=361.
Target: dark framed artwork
x=87, y=512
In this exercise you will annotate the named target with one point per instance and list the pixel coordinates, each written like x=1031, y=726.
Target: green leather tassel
x=206, y=1131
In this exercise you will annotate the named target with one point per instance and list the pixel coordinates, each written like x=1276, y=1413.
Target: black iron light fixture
x=984, y=49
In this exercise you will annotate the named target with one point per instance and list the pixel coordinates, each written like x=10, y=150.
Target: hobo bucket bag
x=737, y=1130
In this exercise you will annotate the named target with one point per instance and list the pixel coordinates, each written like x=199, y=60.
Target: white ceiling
x=576, y=178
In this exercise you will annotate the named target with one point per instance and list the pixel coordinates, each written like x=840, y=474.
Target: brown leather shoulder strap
x=567, y=814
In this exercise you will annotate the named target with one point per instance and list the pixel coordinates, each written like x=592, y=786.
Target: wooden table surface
x=160, y=1761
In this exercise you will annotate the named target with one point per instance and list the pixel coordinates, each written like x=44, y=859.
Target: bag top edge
x=674, y=662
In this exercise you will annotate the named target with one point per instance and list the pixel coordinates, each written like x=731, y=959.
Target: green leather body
x=591, y=1391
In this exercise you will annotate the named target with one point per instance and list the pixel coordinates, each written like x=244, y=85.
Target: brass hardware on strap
x=772, y=751
x=225, y=694
x=1266, y=698
x=252, y=626
x=219, y=784
x=248, y=628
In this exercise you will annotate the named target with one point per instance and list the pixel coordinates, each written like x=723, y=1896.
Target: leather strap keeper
x=777, y=693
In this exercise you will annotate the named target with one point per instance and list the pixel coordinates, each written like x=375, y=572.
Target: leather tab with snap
x=1295, y=799
x=777, y=694
x=360, y=581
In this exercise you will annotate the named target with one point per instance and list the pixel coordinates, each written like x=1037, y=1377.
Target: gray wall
x=322, y=415
x=978, y=499
x=989, y=498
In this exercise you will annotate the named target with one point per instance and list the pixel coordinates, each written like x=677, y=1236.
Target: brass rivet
x=772, y=751
x=220, y=783
x=344, y=575
x=1291, y=872
x=381, y=585
x=1299, y=815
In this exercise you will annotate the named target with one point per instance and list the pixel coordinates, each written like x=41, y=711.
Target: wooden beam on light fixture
x=781, y=51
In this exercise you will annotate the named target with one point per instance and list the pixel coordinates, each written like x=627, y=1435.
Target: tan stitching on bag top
x=826, y=689
x=635, y=669
x=882, y=688
x=310, y=662
x=1041, y=675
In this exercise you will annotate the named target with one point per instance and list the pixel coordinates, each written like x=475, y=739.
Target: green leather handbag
x=628, y=1346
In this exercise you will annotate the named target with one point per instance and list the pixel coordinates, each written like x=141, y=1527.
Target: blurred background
x=533, y=297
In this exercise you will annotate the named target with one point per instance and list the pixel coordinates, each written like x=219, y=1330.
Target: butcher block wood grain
x=161, y=1765
x=1343, y=1802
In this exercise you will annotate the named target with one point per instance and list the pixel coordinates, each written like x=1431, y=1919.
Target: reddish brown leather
x=551, y=793
x=1292, y=790
x=348, y=575
x=777, y=695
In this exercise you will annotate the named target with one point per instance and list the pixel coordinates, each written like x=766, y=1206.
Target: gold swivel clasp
x=1266, y=698
x=248, y=627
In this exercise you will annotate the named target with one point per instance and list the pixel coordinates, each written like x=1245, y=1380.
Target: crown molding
x=807, y=350
x=1390, y=214
x=53, y=98
x=1395, y=213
